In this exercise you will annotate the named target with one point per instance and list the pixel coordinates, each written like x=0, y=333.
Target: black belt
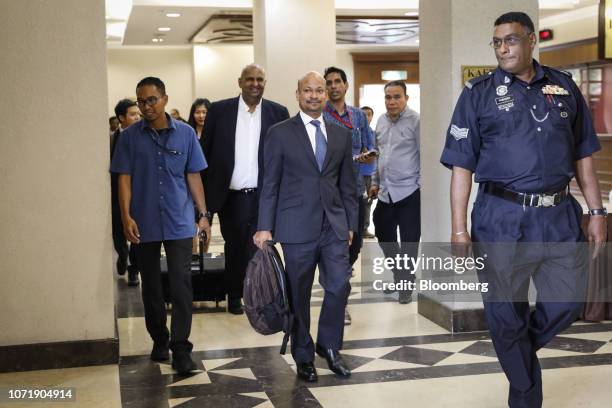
x=528, y=199
x=245, y=191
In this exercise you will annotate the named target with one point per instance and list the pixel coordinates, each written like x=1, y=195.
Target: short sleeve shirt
x=524, y=137
x=158, y=162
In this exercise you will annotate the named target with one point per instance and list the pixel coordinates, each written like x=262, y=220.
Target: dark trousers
x=178, y=253
x=238, y=222
x=539, y=244
x=331, y=255
x=405, y=214
x=368, y=203
x=357, y=242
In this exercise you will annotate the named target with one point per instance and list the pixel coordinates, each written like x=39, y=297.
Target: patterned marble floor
x=398, y=359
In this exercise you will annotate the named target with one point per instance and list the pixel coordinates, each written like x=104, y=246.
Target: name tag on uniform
x=504, y=102
x=554, y=90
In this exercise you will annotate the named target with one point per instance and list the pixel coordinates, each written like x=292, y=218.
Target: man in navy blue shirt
x=158, y=161
x=524, y=130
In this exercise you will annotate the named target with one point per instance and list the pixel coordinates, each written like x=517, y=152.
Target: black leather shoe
x=334, y=361
x=307, y=372
x=405, y=297
x=234, y=306
x=160, y=351
x=182, y=363
x=133, y=277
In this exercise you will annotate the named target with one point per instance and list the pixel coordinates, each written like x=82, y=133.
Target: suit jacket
x=295, y=194
x=218, y=142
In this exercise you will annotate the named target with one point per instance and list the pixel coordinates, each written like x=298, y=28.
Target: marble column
x=292, y=37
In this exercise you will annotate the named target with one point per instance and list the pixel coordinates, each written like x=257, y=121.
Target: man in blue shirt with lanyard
x=159, y=162
x=524, y=131
x=352, y=118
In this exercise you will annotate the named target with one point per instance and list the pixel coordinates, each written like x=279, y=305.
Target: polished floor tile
x=95, y=387
x=586, y=387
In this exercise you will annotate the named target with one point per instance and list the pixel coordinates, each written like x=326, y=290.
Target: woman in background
x=197, y=115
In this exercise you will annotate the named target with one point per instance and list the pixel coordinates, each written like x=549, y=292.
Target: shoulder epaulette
x=566, y=73
x=471, y=82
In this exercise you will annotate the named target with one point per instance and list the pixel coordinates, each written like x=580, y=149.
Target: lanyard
x=348, y=124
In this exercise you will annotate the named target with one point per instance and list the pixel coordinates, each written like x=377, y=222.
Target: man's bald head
x=252, y=82
x=312, y=75
x=311, y=94
x=252, y=67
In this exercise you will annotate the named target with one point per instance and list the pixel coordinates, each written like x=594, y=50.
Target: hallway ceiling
x=214, y=21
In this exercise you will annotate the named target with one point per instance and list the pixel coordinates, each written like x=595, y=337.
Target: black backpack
x=266, y=301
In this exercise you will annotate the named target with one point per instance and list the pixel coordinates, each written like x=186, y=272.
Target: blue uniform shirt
x=362, y=136
x=524, y=137
x=157, y=161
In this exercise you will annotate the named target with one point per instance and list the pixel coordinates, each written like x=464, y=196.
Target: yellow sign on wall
x=473, y=71
x=605, y=29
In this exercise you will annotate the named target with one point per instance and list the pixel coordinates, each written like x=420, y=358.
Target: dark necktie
x=320, y=143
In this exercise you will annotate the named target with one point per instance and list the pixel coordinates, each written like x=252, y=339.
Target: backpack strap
x=287, y=327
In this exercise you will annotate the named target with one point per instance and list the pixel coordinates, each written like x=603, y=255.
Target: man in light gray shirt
x=397, y=180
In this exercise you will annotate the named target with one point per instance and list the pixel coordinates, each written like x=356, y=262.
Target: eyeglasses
x=150, y=101
x=510, y=41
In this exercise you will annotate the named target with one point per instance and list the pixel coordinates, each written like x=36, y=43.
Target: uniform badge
x=506, y=80
x=564, y=114
x=554, y=90
x=501, y=90
x=459, y=133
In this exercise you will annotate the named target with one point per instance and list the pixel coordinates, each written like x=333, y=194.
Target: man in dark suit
x=232, y=142
x=309, y=204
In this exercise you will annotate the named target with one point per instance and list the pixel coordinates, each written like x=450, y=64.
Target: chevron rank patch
x=459, y=133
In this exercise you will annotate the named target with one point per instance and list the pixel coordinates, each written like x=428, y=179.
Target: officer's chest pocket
x=495, y=126
x=561, y=118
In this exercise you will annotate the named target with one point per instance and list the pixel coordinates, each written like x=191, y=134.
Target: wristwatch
x=599, y=211
x=206, y=214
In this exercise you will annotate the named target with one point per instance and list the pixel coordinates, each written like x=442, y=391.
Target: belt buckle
x=547, y=200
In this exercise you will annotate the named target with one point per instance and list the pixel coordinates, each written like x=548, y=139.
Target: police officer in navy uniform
x=525, y=131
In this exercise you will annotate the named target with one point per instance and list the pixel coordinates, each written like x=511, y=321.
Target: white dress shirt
x=246, y=150
x=312, y=129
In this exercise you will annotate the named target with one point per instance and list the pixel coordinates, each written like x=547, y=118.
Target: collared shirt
x=524, y=137
x=246, y=150
x=398, y=173
x=157, y=161
x=312, y=129
x=362, y=136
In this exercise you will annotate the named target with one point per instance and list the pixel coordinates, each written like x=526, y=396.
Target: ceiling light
x=173, y=15
x=163, y=29
x=155, y=40
x=411, y=13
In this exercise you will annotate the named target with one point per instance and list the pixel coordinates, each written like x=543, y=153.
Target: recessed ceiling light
x=173, y=15
x=163, y=29
x=155, y=40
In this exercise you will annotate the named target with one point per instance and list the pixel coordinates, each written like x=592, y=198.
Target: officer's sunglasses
x=510, y=41
x=150, y=101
